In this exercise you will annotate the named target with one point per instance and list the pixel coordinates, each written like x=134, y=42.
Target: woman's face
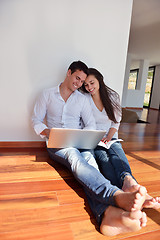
x=91, y=84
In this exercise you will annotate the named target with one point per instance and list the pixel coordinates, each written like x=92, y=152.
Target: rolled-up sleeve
x=39, y=113
x=118, y=116
x=115, y=125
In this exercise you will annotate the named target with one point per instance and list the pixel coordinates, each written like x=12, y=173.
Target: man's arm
x=45, y=132
x=38, y=116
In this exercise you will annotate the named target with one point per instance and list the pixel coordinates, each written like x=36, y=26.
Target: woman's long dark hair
x=109, y=97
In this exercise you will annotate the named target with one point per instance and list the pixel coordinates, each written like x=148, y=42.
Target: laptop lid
x=78, y=138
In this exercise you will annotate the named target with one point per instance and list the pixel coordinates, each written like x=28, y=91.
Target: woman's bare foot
x=117, y=221
x=130, y=185
x=151, y=202
x=130, y=201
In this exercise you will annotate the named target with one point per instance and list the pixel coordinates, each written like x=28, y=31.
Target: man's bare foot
x=130, y=201
x=117, y=221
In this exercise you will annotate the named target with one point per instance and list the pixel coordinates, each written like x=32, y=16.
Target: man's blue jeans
x=82, y=164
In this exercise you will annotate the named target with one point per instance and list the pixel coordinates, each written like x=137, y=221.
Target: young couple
x=114, y=196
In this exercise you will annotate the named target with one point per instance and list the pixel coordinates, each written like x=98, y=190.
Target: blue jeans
x=113, y=163
x=82, y=164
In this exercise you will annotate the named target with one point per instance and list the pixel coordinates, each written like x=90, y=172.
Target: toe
x=143, y=219
x=136, y=214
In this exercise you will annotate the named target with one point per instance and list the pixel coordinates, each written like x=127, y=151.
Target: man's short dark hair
x=78, y=65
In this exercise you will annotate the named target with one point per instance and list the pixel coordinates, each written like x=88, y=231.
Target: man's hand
x=45, y=132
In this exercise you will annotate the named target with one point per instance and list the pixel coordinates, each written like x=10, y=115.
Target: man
x=64, y=107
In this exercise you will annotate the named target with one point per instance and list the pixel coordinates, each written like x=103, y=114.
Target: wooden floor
x=40, y=200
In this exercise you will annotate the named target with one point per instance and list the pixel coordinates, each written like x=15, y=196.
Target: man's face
x=76, y=79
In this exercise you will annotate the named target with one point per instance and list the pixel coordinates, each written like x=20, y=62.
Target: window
x=148, y=89
x=133, y=76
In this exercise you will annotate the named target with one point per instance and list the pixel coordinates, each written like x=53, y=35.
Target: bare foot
x=151, y=202
x=117, y=221
x=128, y=183
x=131, y=201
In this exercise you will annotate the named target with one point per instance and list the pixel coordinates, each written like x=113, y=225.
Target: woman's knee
x=101, y=156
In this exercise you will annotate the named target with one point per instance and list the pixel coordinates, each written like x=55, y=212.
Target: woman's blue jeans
x=82, y=164
x=113, y=163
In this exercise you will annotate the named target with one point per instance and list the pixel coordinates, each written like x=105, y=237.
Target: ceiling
x=144, y=40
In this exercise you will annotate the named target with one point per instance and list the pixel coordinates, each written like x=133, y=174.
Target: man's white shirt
x=61, y=114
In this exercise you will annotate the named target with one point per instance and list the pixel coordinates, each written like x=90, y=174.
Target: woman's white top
x=102, y=120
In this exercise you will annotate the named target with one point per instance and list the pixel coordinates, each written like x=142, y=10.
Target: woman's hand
x=105, y=139
x=109, y=135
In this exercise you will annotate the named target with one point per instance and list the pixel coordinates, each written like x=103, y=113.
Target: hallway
x=148, y=115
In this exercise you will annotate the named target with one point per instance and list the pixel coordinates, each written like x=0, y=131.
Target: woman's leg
x=120, y=169
x=105, y=165
x=120, y=163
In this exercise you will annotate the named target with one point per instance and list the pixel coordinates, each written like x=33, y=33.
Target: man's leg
x=94, y=182
x=88, y=155
x=114, y=220
x=117, y=221
x=86, y=174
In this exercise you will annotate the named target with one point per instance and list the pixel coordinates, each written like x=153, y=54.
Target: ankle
x=128, y=177
x=129, y=181
x=116, y=197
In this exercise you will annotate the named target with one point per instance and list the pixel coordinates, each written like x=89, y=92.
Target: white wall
x=126, y=79
x=135, y=98
x=40, y=38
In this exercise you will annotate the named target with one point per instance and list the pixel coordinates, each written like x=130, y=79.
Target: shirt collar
x=58, y=90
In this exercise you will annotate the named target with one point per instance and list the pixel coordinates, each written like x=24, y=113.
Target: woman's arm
x=110, y=134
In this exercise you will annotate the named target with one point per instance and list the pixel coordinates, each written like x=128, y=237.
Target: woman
x=112, y=162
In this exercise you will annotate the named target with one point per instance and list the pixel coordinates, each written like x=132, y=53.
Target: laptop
x=78, y=138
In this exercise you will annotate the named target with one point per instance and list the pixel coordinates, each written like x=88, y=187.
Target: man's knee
x=90, y=159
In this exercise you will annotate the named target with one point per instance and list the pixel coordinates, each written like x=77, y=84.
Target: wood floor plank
x=37, y=186
x=27, y=201
x=40, y=199
x=70, y=196
x=154, y=235
x=46, y=231
x=12, y=219
x=86, y=230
